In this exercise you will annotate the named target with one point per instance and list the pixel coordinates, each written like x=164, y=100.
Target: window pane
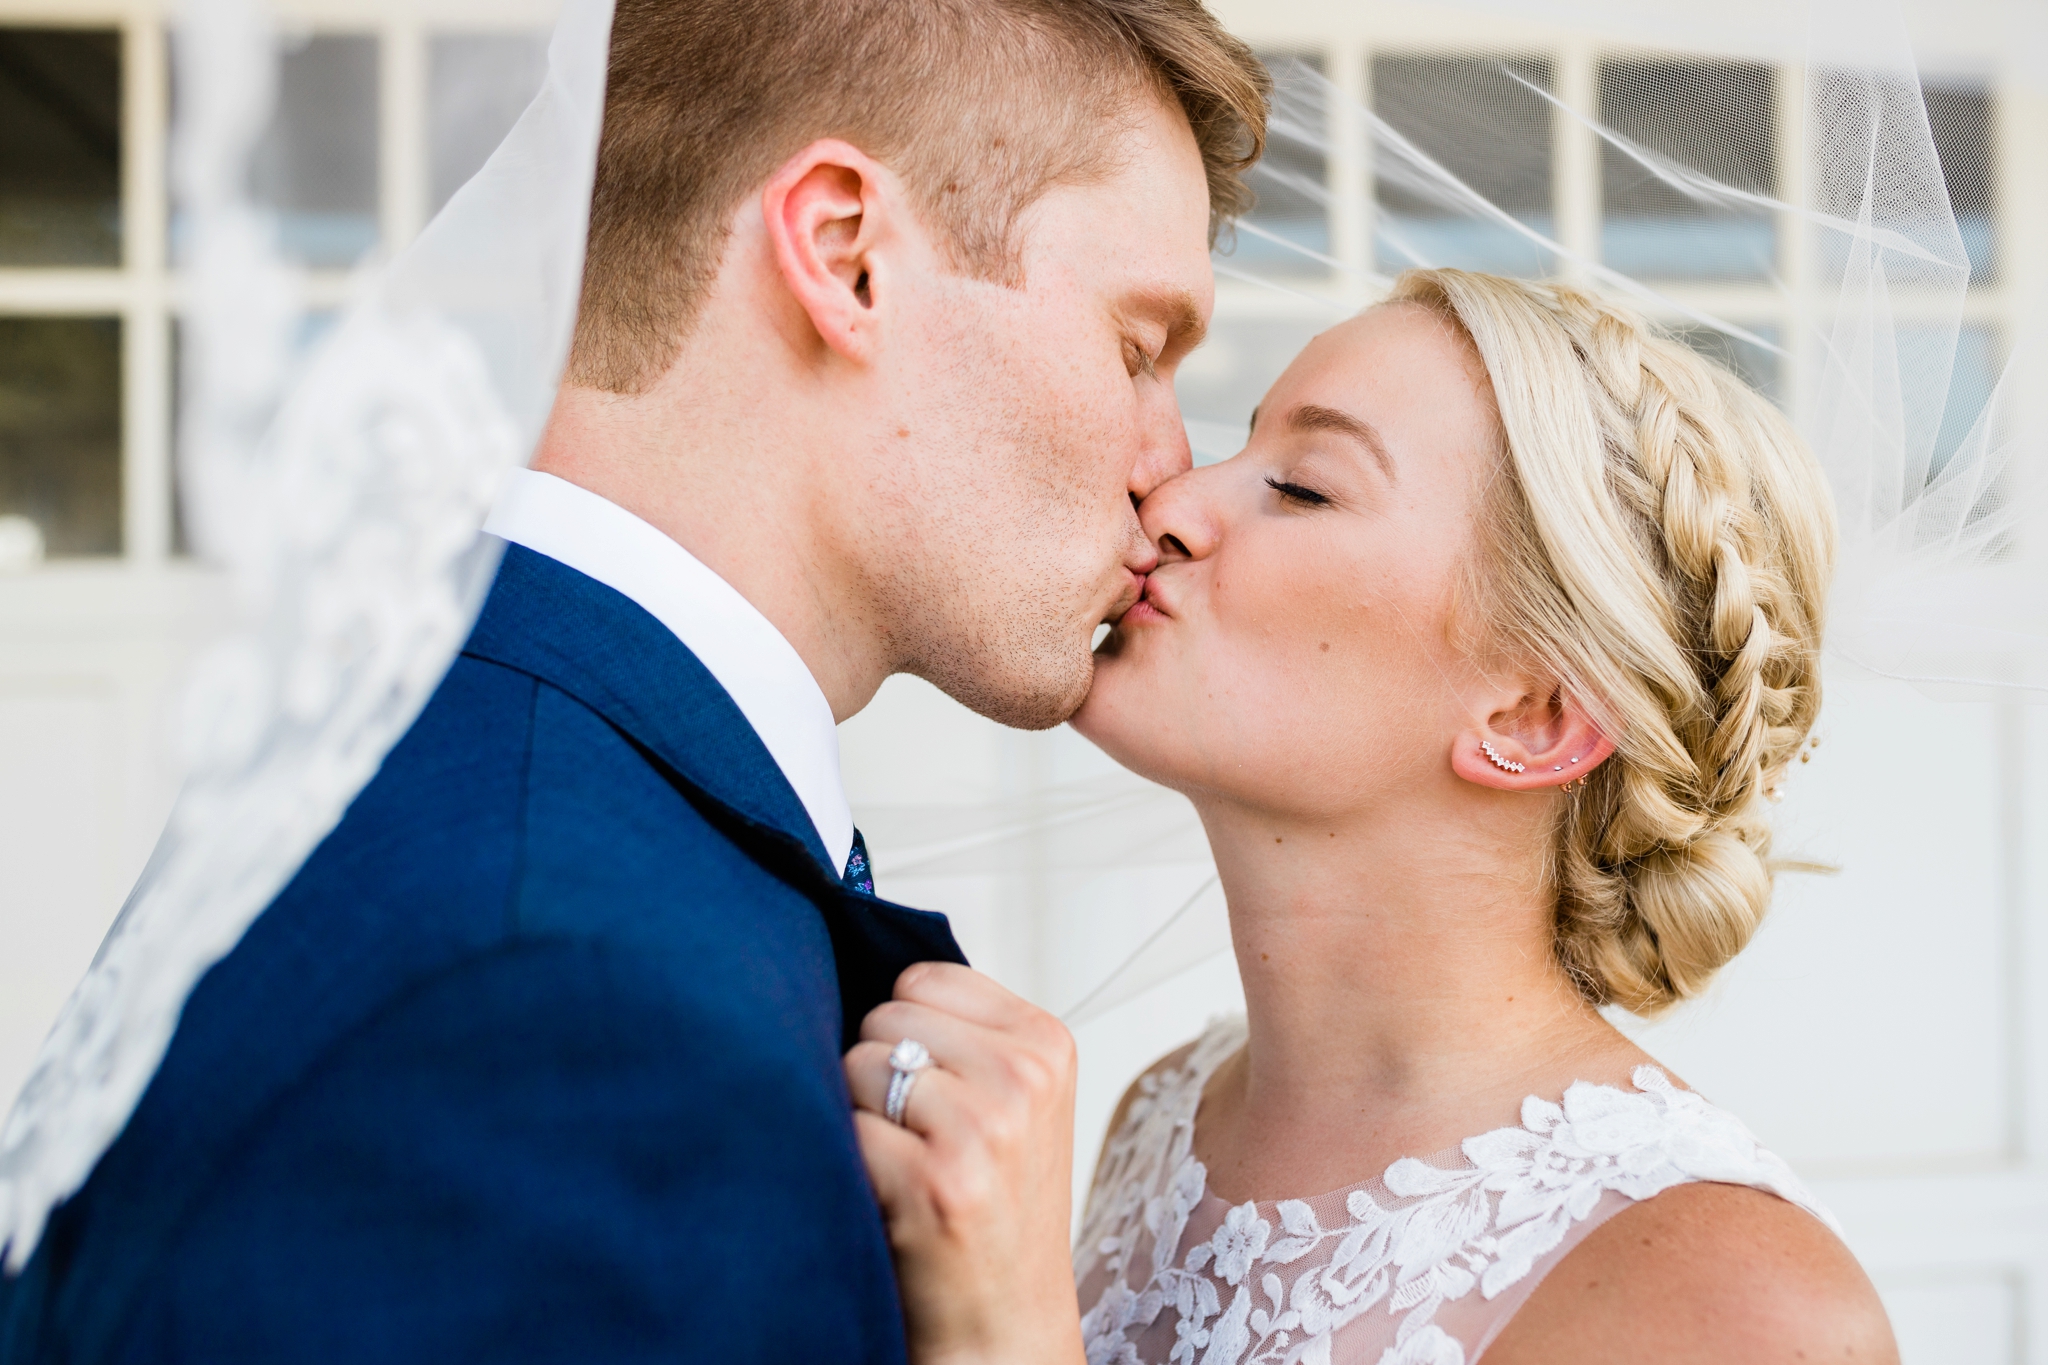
x=60, y=147
x=317, y=165
x=60, y=430
x=1291, y=179
x=1221, y=383
x=1477, y=118
x=477, y=86
x=1718, y=118
x=1970, y=386
x=1960, y=117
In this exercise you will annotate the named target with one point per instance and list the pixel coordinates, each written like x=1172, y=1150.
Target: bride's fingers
x=892, y=1155
x=867, y=1075
x=965, y=993
x=1011, y=1041
x=895, y=1161
x=939, y=1101
x=967, y=1048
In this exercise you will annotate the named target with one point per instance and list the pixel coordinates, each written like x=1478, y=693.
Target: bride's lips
x=1147, y=608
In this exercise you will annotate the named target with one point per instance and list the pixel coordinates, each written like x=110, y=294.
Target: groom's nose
x=1163, y=451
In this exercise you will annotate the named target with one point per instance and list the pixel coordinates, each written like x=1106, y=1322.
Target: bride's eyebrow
x=1314, y=417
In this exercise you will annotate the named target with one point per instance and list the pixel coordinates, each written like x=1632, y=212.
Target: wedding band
x=909, y=1058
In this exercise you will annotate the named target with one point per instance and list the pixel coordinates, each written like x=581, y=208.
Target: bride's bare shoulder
x=1703, y=1272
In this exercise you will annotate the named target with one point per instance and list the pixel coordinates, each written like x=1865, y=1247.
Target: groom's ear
x=825, y=211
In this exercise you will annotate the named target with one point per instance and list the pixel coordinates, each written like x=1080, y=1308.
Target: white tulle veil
x=343, y=493
x=345, y=496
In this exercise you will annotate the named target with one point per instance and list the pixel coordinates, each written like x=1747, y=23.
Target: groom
x=538, y=1056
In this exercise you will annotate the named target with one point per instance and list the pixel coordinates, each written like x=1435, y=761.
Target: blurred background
x=1887, y=1033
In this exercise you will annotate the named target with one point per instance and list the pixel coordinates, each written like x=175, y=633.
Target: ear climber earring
x=1503, y=764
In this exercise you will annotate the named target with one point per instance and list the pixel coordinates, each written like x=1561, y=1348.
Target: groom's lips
x=1133, y=593
x=1147, y=607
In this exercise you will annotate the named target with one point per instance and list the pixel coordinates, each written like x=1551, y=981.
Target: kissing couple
x=585, y=1037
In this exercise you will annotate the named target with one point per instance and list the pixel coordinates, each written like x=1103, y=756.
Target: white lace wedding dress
x=1422, y=1266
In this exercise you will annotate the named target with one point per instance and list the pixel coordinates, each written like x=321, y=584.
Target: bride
x=1480, y=664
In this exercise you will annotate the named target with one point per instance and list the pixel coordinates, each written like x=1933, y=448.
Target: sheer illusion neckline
x=1449, y=1157
x=1422, y=1264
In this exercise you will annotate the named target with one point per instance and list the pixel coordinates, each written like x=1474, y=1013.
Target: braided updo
x=1661, y=543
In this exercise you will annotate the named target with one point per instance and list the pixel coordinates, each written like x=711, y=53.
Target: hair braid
x=1663, y=545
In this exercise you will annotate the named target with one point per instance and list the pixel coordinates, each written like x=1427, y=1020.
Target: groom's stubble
x=1011, y=524
x=963, y=507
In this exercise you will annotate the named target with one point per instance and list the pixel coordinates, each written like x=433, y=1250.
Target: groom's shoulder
x=521, y=950
x=513, y=812
x=511, y=822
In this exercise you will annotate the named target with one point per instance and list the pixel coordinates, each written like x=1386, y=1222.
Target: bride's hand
x=977, y=1182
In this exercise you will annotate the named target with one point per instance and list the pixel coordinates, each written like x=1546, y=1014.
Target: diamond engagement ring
x=909, y=1058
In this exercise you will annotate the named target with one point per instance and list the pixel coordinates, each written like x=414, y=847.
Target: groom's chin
x=1037, y=693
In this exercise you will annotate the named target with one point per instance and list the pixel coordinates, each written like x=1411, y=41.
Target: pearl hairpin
x=1503, y=764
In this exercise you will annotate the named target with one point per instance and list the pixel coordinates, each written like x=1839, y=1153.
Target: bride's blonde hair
x=1661, y=543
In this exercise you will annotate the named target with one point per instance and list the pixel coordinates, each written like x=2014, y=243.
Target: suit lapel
x=602, y=648
x=599, y=646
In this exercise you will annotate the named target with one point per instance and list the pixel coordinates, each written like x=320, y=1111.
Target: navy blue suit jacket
x=537, y=1058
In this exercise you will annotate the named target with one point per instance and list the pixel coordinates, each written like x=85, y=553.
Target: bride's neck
x=1401, y=990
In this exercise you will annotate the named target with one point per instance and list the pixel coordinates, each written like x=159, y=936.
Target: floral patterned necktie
x=857, y=876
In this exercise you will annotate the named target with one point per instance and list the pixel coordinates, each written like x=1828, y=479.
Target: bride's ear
x=1541, y=739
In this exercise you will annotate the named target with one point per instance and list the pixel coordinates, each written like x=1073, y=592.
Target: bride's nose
x=1179, y=518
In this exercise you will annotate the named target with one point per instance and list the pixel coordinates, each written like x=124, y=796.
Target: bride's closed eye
x=1299, y=494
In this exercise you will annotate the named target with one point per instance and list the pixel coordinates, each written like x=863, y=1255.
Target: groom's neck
x=734, y=477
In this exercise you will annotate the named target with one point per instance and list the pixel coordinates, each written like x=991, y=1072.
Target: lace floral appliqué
x=1273, y=1284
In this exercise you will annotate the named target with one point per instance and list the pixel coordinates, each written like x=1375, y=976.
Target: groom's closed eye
x=1173, y=311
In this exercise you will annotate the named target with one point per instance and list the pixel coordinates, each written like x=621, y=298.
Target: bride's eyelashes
x=1298, y=494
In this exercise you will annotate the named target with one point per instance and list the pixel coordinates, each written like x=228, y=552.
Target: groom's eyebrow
x=1314, y=417
x=1178, y=310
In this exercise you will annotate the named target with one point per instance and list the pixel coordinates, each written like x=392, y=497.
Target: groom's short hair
x=980, y=105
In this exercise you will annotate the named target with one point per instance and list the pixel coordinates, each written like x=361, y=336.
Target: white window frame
x=143, y=291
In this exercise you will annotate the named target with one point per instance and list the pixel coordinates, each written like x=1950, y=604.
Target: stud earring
x=1505, y=765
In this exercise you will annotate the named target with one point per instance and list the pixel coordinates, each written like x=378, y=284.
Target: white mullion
x=146, y=475
x=402, y=187
x=1575, y=175
x=2019, y=123
x=1795, y=312
x=60, y=292
x=1351, y=202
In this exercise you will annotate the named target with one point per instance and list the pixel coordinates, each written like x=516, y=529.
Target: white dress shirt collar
x=758, y=668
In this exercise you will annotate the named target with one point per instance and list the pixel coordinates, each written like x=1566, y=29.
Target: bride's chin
x=1114, y=716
